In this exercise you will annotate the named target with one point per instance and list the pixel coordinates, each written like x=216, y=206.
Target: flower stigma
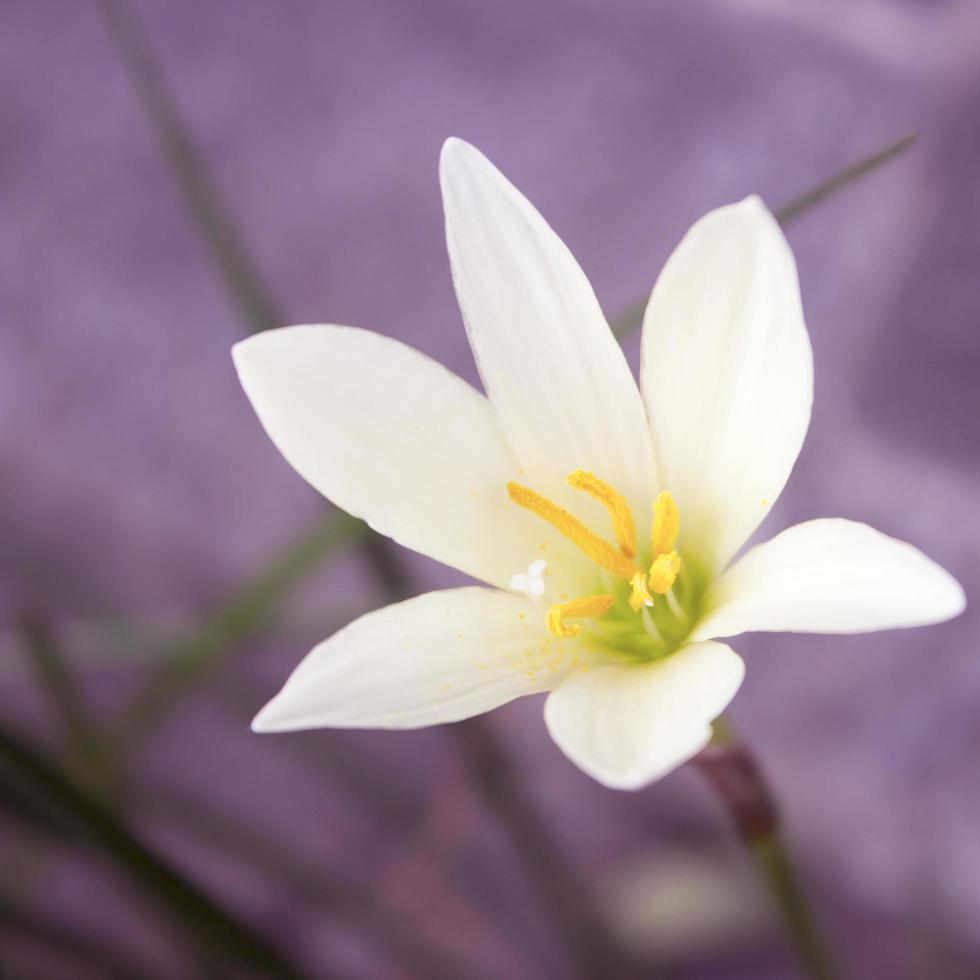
x=627, y=615
x=531, y=583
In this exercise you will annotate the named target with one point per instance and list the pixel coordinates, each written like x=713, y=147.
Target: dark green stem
x=259, y=311
x=213, y=221
x=289, y=868
x=70, y=943
x=806, y=201
x=786, y=214
x=734, y=774
x=80, y=736
x=75, y=813
x=774, y=861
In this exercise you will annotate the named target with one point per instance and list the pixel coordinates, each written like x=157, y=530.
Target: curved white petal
x=627, y=724
x=437, y=658
x=392, y=437
x=727, y=376
x=830, y=576
x=553, y=370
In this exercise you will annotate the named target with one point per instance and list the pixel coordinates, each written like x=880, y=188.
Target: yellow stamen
x=663, y=572
x=640, y=596
x=614, y=502
x=601, y=552
x=587, y=607
x=666, y=524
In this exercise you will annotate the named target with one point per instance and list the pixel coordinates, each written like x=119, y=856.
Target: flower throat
x=619, y=560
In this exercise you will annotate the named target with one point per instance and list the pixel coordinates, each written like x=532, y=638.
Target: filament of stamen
x=666, y=524
x=588, y=607
x=600, y=551
x=640, y=596
x=675, y=606
x=650, y=626
x=619, y=510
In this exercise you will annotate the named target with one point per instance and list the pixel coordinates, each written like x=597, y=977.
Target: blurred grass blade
x=631, y=318
x=250, y=609
x=287, y=867
x=808, y=200
x=73, y=944
x=207, y=921
x=80, y=735
x=213, y=221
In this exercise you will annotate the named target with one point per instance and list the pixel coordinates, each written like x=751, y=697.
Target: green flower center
x=641, y=611
x=655, y=631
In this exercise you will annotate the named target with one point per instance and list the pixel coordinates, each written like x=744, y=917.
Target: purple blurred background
x=137, y=489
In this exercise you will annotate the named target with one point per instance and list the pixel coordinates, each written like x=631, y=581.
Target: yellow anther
x=666, y=524
x=614, y=502
x=640, y=596
x=600, y=551
x=587, y=607
x=663, y=572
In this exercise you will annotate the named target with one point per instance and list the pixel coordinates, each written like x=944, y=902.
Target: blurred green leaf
x=293, y=869
x=37, y=776
x=204, y=204
x=250, y=609
x=80, y=737
x=72, y=944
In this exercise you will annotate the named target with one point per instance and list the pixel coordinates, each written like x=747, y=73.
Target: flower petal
x=550, y=364
x=830, y=576
x=393, y=437
x=437, y=658
x=727, y=376
x=629, y=724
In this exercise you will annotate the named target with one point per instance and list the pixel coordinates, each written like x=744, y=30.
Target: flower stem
x=774, y=861
x=734, y=774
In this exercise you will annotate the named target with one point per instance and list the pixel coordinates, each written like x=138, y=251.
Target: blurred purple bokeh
x=137, y=489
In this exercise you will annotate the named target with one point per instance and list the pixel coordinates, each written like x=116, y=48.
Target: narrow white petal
x=437, y=658
x=727, y=376
x=554, y=372
x=830, y=576
x=627, y=725
x=392, y=437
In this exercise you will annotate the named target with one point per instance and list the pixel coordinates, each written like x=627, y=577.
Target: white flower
x=625, y=633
